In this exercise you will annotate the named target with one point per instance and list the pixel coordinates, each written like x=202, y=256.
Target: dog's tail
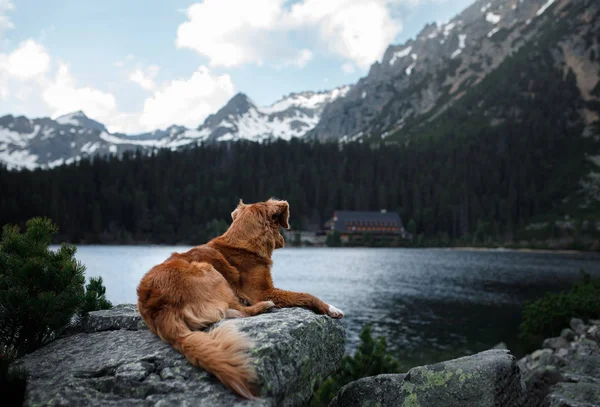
x=221, y=351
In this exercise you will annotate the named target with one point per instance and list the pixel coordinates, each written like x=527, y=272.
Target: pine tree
x=41, y=290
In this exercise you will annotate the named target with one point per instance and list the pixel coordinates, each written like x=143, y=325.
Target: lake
x=431, y=304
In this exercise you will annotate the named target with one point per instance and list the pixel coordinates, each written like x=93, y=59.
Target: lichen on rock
x=490, y=378
x=116, y=361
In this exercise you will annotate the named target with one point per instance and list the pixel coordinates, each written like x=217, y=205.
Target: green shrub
x=334, y=239
x=370, y=359
x=550, y=314
x=41, y=291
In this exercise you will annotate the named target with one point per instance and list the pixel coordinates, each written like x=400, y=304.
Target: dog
x=229, y=277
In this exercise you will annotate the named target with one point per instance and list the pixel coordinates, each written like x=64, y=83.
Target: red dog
x=192, y=290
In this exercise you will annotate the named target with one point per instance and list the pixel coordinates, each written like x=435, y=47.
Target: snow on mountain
x=81, y=120
x=32, y=143
x=290, y=117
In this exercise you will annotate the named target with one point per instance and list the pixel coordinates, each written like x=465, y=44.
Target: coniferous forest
x=509, y=153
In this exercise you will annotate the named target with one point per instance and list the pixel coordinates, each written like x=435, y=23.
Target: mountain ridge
x=46, y=143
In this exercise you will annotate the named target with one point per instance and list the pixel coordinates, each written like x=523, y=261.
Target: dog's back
x=176, y=298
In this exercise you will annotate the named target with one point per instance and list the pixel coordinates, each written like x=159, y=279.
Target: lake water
x=431, y=304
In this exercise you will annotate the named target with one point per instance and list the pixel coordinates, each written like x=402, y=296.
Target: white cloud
x=63, y=96
x=230, y=32
x=5, y=23
x=348, y=68
x=237, y=32
x=187, y=101
x=145, y=78
x=358, y=30
x=303, y=58
x=29, y=60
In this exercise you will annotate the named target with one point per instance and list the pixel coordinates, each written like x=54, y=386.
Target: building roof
x=363, y=221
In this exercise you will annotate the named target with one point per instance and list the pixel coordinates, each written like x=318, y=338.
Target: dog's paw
x=269, y=304
x=334, y=312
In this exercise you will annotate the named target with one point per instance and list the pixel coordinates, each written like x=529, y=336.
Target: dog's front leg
x=286, y=299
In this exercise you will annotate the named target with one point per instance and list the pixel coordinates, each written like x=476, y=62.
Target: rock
x=584, y=369
x=123, y=316
x=117, y=362
x=555, y=343
x=539, y=382
x=568, y=334
x=575, y=395
x=385, y=389
x=540, y=353
x=500, y=345
x=562, y=353
x=593, y=333
x=578, y=326
x=489, y=378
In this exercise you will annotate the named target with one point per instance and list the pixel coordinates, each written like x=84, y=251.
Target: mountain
x=79, y=119
x=425, y=75
x=43, y=142
x=290, y=117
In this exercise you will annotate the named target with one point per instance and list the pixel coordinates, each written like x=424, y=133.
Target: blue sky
x=139, y=65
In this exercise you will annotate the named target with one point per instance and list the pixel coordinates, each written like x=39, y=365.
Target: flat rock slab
x=486, y=379
x=118, y=362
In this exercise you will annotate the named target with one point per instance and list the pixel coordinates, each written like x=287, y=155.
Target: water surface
x=431, y=304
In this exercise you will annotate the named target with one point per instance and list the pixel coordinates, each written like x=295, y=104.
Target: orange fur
x=192, y=290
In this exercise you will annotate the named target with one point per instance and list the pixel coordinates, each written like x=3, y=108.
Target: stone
x=575, y=395
x=540, y=353
x=539, y=383
x=593, y=333
x=578, y=326
x=490, y=378
x=555, y=343
x=123, y=316
x=568, y=334
x=584, y=369
x=116, y=361
x=500, y=345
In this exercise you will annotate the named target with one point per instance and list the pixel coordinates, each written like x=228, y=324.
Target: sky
x=141, y=65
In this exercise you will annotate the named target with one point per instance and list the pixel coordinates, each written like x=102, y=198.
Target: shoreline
x=524, y=250
x=457, y=248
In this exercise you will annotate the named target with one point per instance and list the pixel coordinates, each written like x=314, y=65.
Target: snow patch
x=456, y=53
x=448, y=28
x=493, y=18
x=400, y=54
x=486, y=7
x=364, y=95
x=494, y=31
x=544, y=7
x=461, y=40
x=308, y=100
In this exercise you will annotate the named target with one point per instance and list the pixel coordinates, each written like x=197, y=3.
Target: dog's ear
x=236, y=210
x=280, y=210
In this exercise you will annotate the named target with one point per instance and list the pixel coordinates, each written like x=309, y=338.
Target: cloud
x=5, y=23
x=358, y=30
x=230, y=32
x=29, y=60
x=187, y=101
x=237, y=32
x=348, y=68
x=304, y=57
x=62, y=95
x=145, y=79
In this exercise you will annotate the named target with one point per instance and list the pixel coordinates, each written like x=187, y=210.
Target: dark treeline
x=453, y=188
x=507, y=153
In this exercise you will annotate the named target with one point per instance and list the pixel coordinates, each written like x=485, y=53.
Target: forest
x=510, y=152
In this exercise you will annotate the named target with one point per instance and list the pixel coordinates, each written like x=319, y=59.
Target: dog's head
x=258, y=224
